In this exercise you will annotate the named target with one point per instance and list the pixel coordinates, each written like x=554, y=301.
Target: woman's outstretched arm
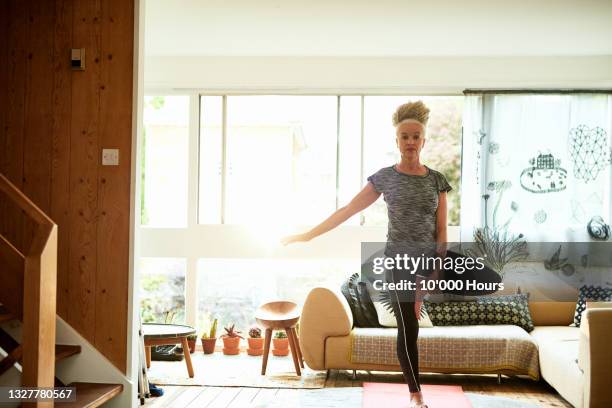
x=360, y=202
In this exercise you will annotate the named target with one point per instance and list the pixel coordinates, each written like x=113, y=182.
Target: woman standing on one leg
x=416, y=204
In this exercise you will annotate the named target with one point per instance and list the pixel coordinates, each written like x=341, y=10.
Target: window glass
x=232, y=289
x=162, y=290
x=165, y=161
x=349, y=157
x=281, y=159
x=211, y=139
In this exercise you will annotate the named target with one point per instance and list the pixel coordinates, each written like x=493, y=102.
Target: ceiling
x=378, y=28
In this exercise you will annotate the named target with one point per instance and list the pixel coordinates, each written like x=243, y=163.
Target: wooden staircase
x=34, y=305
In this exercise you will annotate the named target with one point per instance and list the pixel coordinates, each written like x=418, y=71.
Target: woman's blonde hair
x=416, y=111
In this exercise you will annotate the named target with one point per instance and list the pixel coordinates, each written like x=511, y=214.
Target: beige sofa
x=577, y=362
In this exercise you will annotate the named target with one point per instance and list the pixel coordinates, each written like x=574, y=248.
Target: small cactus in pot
x=209, y=339
x=281, y=344
x=255, y=342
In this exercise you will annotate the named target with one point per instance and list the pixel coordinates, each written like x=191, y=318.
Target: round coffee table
x=159, y=334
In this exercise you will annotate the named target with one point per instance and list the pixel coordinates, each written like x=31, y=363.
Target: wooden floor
x=537, y=393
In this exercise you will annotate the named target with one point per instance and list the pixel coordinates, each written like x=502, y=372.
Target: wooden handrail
x=39, y=295
x=5, y=245
x=24, y=202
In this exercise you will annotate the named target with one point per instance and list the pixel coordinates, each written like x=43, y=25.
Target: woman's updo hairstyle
x=411, y=112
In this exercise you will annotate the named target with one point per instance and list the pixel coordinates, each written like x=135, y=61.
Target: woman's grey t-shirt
x=412, y=202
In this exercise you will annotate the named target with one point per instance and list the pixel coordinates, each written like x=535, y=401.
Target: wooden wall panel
x=84, y=170
x=38, y=109
x=4, y=103
x=60, y=146
x=54, y=123
x=13, y=148
x=4, y=56
x=114, y=186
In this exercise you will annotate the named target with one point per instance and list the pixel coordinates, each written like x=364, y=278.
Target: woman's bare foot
x=416, y=400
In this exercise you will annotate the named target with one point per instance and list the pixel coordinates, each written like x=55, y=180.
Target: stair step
x=63, y=351
x=90, y=395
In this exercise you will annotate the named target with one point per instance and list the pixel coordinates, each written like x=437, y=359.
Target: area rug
x=396, y=395
x=485, y=401
x=349, y=397
x=235, y=371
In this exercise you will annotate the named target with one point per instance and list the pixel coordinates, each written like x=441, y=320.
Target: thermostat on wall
x=77, y=59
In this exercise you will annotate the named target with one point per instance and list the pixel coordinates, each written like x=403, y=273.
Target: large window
x=295, y=159
x=224, y=176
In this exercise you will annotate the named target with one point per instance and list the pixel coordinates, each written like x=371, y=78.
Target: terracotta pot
x=208, y=345
x=231, y=345
x=192, y=345
x=255, y=346
x=281, y=347
x=256, y=343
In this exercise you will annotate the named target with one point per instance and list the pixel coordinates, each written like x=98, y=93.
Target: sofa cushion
x=386, y=318
x=461, y=349
x=356, y=293
x=486, y=310
x=593, y=293
x=558, y=351
x=548, y=313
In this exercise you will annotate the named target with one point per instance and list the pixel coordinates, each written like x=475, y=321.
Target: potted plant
x=281, y=344
x=255, y=342
x=209, y=339
x=191, y=340
x=231, y=341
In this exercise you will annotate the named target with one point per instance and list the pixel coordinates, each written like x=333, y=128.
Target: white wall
x=378, y=28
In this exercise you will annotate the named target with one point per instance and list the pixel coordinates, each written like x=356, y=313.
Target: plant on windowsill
x=255, y=342
x=231, y=341
x=191, y=340
x=209, y=339
x=281, y=344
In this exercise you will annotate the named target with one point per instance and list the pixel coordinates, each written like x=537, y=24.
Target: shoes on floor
x=166, y=353
x=155, y=390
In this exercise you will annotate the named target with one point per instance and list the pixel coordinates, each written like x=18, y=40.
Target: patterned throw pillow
x=592, y=293
x=386, y=318
x=504, y=309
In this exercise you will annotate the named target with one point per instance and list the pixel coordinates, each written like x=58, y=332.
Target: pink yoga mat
x=377, y=395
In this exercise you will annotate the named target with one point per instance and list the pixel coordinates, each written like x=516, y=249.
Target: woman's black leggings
x=407, y=333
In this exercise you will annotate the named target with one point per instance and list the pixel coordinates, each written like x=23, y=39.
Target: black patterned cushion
x=590, y=292
x=356, y=293
x=503, y=309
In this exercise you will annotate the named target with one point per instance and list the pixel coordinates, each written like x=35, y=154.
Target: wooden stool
x=280, y=316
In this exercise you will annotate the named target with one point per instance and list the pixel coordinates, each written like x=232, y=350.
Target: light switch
x=110, y=157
